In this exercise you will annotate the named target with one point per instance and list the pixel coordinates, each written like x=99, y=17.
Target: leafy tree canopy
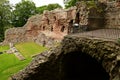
x=48, y=7
x=41, y=9
x=69, y=3
x=5, y=17
x=2, y=1
x=53, y=6
x=22, y=12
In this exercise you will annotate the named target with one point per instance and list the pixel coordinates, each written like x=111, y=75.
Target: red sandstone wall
x=53, y=24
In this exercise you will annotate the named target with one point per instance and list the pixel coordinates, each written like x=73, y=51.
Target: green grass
x=29, y=49
x=9, y=64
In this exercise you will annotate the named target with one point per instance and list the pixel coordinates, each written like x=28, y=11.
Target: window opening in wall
x=63, y=28
x=43, y=28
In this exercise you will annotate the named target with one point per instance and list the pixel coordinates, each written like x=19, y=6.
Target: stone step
x=19, y=56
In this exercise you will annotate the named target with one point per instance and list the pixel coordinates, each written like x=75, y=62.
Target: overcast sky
x=40, y=2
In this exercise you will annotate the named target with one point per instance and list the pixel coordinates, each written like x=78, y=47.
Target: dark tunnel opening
x=80, y=66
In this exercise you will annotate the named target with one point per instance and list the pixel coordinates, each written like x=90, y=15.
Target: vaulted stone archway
x=102, y=52
x=86, y=57
x=81, y=66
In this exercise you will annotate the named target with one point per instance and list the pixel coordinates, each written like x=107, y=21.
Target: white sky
x=40, y=2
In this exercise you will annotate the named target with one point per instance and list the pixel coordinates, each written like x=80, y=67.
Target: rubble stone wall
x=14, y=35
x=113, y=15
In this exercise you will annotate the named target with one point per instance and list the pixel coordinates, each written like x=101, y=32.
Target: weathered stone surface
x=48, y=65
x=42, y=39
x=113, y=15
x=14, y=35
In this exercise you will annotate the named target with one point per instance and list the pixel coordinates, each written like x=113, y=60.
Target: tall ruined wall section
x=90, y=17
x=113, y=15
x=52, y=25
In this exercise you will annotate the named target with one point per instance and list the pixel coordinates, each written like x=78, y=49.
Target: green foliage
x=70, y=3
x=2, y=1
x=22, y=12
x=100, y=7
x=41, y=9
x=5, y=17
x=91, y=4
x=47, y=7
x=118, y=40
x=9, y=64
x=53, y=6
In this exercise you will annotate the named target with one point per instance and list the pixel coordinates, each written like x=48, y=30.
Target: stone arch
x=107, y=53
x=81, y=66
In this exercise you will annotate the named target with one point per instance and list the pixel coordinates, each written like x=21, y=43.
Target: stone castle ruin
x=80, y=56
x=52, y=26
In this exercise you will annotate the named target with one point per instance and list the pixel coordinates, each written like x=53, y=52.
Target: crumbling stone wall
x=48, y=65
x=14, y=35
x=113, y=15
x=45, y=41
x=89, y=17
x=53, y=24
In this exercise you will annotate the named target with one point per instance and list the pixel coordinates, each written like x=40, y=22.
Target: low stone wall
x=42, y=39
x=14, y=35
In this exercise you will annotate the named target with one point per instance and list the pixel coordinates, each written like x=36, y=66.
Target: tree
x=69, y=3
x=53, y=6
x=48, y=7
x=2, y=1
x=22, y=12
x=41, y=9
x=5, y=17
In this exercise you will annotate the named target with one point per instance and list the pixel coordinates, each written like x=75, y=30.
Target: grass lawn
x=9, y=64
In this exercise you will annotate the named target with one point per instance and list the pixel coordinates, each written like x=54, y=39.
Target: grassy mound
x=9, y=64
